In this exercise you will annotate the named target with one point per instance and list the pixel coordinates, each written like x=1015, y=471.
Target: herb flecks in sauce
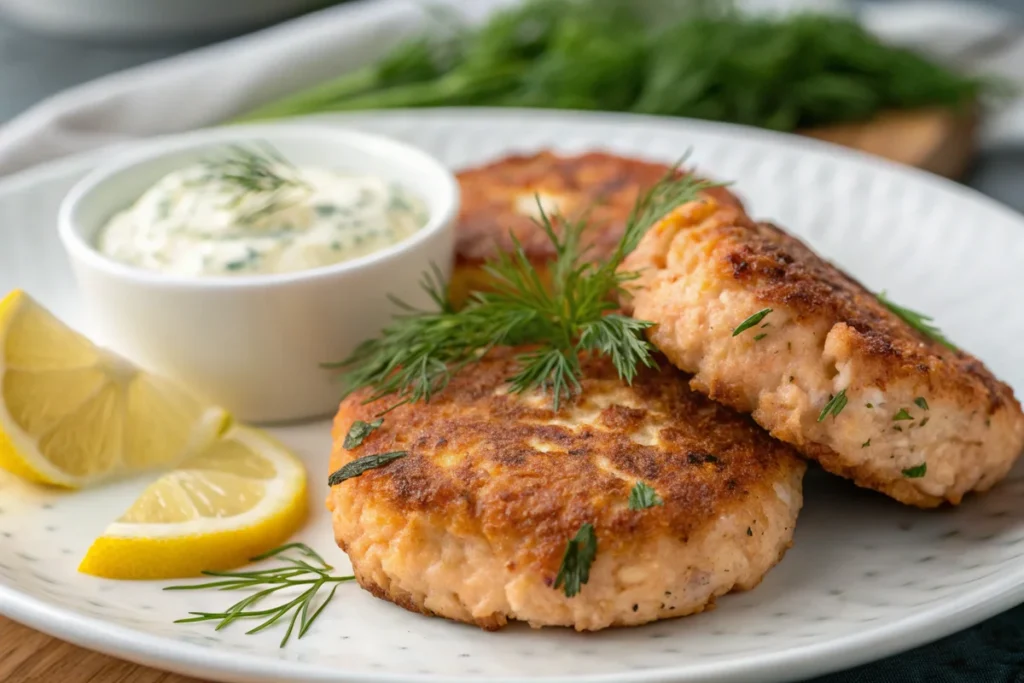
x=248, y=211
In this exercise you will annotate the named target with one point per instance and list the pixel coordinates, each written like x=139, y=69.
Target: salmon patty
x=473, y=522
x=500, y=200
x=830, y=369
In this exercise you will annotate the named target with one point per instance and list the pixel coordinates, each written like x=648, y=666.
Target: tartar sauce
x=209, y=220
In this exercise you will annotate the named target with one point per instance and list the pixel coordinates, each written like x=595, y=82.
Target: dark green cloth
x=992, y=652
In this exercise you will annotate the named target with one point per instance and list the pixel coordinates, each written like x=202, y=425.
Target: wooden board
x=27, y=656
x=937, y=141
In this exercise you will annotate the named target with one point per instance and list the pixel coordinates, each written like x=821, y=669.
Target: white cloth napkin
x=210, y=85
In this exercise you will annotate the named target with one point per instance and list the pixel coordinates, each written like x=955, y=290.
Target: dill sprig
x=256, y=173
x=919, y=321
x=691, y=58
x=572, y=314
x=308, y=572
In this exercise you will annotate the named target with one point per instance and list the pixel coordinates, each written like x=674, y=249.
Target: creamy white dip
x=203, y=221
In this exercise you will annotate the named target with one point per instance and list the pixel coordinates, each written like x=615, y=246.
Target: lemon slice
x=73, y=414
x=241, y=497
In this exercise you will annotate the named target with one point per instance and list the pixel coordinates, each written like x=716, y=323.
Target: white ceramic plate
x=865, y=579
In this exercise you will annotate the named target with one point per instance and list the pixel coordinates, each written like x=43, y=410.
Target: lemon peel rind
x=13, y=439
x=171, y=551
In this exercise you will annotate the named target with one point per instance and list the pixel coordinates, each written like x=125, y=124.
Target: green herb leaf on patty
x=359, y=431
x=751, y=321
x=363, y=465
x=643, y=496
x=916, y=472
x=834, y=406
x=580, y=552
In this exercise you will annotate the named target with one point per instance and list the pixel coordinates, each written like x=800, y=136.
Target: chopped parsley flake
x=866, y=444
x=750, y=532
x=916, y=472
x=751, y=321
x=921, y=403
x=759, y=337
x=643, y=496
x=902, y=415
x=924, y=422
x=834, y=406
x=868, y=405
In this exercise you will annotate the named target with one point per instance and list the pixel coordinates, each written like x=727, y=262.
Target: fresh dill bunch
x=557, y=320
x=691, y=58
x=307, y=572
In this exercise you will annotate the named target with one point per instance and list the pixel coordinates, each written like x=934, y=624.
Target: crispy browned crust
x=606, y=184
x=775, y=270
x=779, y=269
x=474, y=460
x=403, y=599
x=867, y=476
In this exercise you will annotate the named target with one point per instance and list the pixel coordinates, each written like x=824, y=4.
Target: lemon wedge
x=244, y=495
x=73, y=414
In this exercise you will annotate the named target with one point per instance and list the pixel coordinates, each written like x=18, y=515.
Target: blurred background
x=47, y=46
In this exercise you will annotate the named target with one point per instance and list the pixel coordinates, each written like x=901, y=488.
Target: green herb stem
x=684, y=58
x=308, y=572
x=419, y=352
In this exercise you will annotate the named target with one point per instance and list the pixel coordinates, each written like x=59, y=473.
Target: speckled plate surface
x=865, y=579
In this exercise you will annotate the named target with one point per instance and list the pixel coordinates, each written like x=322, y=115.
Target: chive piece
x=751, y=321
x=834, y=406
x=363, y=465
x=919, y=321
x=759, y=337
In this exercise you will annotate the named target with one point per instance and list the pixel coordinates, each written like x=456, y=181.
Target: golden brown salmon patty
x=908, y=417
x=500, y=199
x=473, y=523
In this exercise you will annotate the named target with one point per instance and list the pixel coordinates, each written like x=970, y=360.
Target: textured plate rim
x=917, y=628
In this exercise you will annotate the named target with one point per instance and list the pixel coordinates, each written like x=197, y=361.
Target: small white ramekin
x=255, y=344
